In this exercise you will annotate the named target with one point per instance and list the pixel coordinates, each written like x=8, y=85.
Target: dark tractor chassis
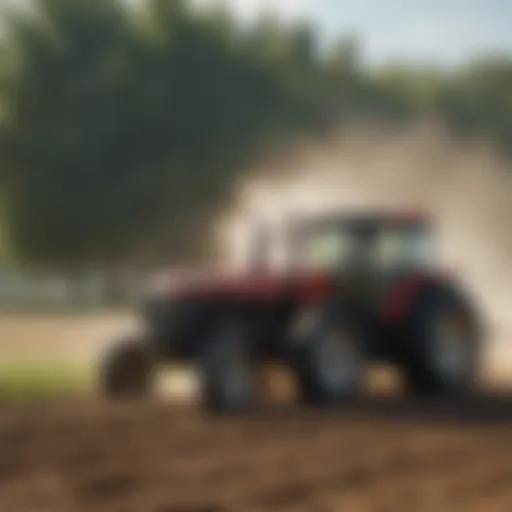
x=371, y=295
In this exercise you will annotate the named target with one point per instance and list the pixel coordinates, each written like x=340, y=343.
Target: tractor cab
x=362, y=255
x=379, y=243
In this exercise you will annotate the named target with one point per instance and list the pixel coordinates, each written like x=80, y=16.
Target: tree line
x=124, y=125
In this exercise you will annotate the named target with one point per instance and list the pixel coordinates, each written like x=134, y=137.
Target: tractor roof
x=368, y=216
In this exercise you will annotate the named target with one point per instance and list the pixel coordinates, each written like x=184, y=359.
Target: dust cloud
x=464, y=184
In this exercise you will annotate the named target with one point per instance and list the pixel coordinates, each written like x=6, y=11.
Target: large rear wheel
x=444, y=348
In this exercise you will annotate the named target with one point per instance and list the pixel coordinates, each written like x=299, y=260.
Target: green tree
x=61, y=181
x=124, y=129
x=478, y=99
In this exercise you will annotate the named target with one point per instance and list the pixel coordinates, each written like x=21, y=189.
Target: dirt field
x=385, y=454
x=155, y=458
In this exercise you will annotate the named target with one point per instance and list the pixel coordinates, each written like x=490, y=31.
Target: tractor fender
x=409, y=291
x=403, y=295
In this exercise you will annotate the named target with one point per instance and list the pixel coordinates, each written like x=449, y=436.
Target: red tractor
x=358, y=287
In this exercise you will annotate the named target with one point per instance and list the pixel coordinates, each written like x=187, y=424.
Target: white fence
x=95, y=289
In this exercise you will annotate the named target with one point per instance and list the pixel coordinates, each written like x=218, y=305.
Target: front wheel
x=227, y=370
x=330, y=363
x=126, y=370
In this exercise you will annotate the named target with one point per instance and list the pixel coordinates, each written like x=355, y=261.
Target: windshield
x=397, y=248
x=381, y=247
x=328, y=249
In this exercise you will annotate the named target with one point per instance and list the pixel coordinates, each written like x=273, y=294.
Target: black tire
x=329, y=361
x=228, y=371
x=443, y=346
x=126, y=370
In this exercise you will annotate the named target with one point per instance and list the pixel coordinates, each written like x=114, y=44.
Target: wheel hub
x=339, y=362
x=237, y=383
x=451, y=353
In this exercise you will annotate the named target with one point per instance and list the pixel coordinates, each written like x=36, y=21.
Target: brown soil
x=384, y=454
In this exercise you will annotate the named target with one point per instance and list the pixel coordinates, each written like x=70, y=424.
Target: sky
x=444, y=32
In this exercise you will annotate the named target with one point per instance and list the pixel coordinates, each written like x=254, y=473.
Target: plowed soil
x=383, y=455
x=386, y=453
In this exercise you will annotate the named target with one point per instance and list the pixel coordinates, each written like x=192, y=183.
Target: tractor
x=356, y=288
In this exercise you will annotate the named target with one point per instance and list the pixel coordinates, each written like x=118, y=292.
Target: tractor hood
x=244, y=285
